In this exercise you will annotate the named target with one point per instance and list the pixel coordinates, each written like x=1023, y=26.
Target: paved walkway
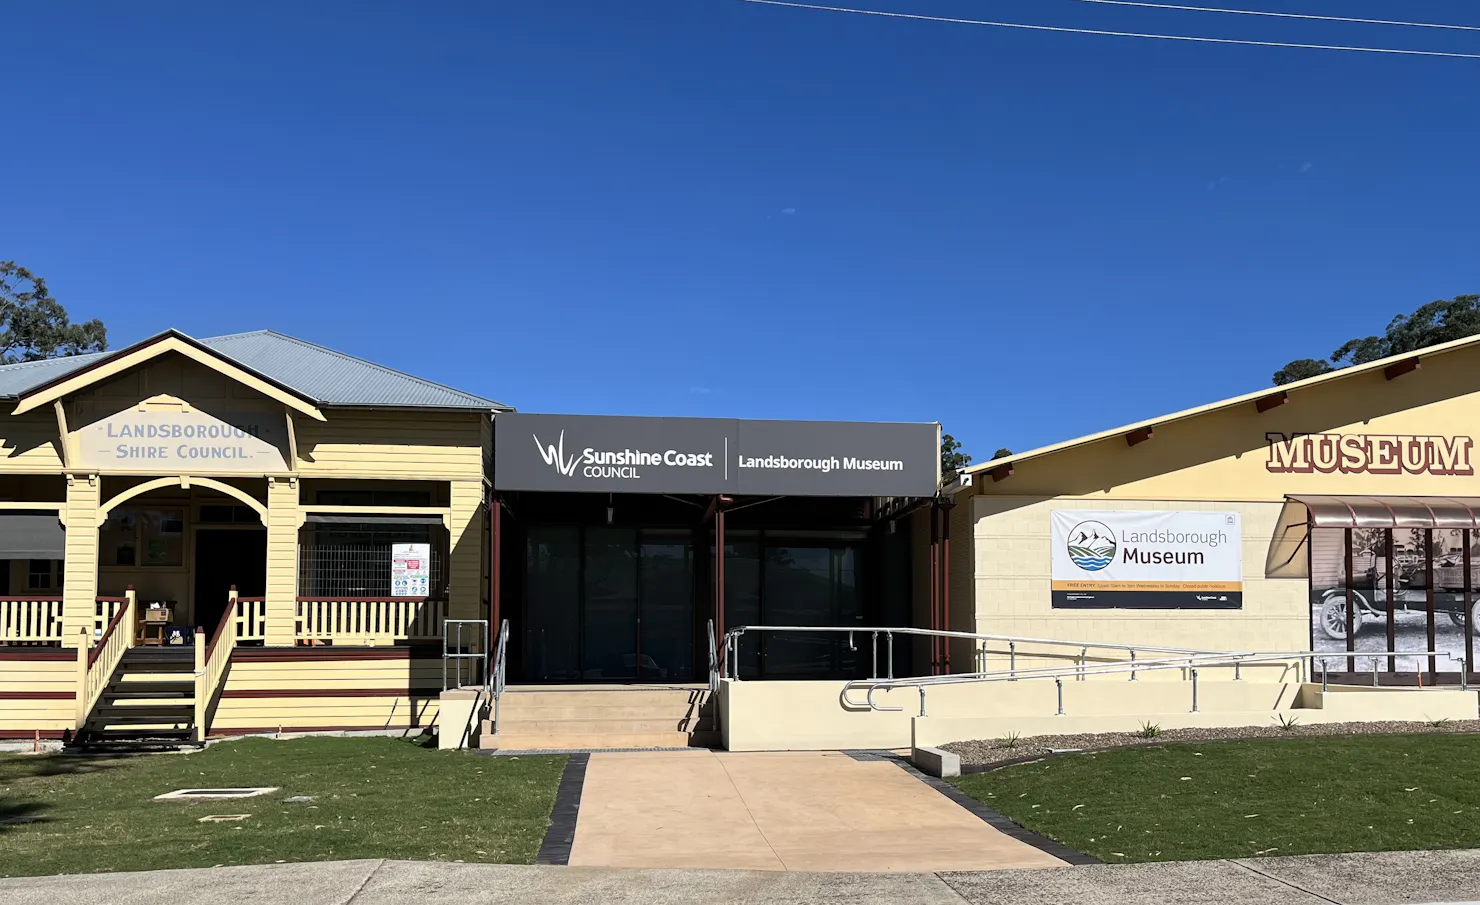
x=1372, y=879
x=779, y=811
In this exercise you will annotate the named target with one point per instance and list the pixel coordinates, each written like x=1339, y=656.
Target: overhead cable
x=1275, y=15
x=1116, y=34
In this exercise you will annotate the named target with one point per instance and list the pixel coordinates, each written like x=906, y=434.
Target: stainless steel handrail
x=713, y=661
x=732, y=647
x=499, y=675
x=1191, y=664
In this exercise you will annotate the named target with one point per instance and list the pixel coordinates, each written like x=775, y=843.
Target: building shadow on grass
x=16, y=810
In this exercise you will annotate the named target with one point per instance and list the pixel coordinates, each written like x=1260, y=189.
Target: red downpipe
x=935, y=659
x=945, y=580
x=495, y=533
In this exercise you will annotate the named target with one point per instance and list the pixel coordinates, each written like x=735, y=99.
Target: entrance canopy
x=1288, y=550
x=1391, y=511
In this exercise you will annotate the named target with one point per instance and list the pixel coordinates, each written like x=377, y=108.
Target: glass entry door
x=607, y=604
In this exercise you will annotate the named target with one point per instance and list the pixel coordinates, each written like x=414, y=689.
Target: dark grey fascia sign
x=611, y=454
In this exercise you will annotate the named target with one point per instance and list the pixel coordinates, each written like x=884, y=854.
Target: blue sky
x=706, y=207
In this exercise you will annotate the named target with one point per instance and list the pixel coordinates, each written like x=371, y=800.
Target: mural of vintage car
x=1410, y=599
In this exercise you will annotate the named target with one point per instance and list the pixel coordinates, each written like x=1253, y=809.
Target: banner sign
x=411, y=569
x=606, y=454
x=1147, y=560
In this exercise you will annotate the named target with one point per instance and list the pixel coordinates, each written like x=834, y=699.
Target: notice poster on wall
x=1147, y=560
x=411, y=570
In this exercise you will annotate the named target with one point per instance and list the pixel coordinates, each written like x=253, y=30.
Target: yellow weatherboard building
x=252, y=487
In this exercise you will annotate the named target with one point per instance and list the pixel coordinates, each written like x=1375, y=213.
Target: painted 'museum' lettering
x=1369, y=454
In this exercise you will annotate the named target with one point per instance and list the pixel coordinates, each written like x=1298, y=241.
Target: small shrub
x=1440, y=723
x=1149, y=730
x=1288, y=723
x=1010, y=740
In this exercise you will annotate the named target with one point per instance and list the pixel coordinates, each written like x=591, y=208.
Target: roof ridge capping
x=1330, y=376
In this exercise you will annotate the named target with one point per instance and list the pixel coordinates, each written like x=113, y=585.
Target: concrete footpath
x=1367, y=879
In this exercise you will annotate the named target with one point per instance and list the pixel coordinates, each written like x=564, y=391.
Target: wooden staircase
x=149, y=702
x=543, y=718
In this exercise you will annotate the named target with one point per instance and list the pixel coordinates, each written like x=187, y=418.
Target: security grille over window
x=357, y=570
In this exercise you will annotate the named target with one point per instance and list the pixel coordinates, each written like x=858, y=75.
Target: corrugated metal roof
x=323, y=375
x=18, y=378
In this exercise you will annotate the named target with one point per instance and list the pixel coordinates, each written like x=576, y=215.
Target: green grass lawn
x=1245, y=798
x=373, y=798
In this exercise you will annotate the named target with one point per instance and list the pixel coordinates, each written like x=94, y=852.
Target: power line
x=1274, y=15
x=1116, y=34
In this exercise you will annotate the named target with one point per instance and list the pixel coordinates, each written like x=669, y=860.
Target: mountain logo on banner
x=1091, y=546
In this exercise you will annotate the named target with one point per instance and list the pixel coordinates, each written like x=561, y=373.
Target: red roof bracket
x=1399, y=368
x=1272, y=401
x=1139, y=435
x=1001, y=472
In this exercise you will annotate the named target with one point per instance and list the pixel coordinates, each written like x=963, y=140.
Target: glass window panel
x=800, y=590
x=611, y=604
x=743, y=601
x=666, y=570
x=552, y=643
x=1449, y=596
x=1328, y=593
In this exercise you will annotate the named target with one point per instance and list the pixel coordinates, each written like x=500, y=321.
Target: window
x=44, y=575
x=355, y=559
x=143, y=537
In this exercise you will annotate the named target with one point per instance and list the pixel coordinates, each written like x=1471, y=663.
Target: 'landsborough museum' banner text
x=1147, y=560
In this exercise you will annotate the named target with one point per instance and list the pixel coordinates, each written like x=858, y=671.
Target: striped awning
x=1390, y=511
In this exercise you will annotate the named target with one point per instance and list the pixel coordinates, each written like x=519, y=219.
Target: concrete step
x=623, y=697
x=586, y=727
x=518, y=710
x=511, y=741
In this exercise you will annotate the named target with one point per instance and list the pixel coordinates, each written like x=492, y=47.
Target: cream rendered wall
x=1214, y=461
x=1013, y=584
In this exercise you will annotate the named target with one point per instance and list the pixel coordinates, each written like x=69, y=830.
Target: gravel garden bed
x=1002, y=750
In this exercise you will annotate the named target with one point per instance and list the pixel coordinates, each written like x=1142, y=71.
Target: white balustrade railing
x=95, y=663
x=211, y=659
x=368, y=620
x=30, y=620
x=251, y=618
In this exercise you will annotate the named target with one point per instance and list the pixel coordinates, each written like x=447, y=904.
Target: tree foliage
x=952, y=459
x=33, y=325
x=1436, y=322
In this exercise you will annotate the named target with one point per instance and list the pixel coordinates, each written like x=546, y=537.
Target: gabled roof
x=317, y=374
x=1397, y=363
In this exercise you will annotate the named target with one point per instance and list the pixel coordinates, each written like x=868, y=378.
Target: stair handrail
x=713, y=661
x=211, y=661
x=498, y=678
x=97, y=663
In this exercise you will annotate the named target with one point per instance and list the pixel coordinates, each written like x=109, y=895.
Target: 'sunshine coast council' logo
x=1091, y=546
x=554, y=456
